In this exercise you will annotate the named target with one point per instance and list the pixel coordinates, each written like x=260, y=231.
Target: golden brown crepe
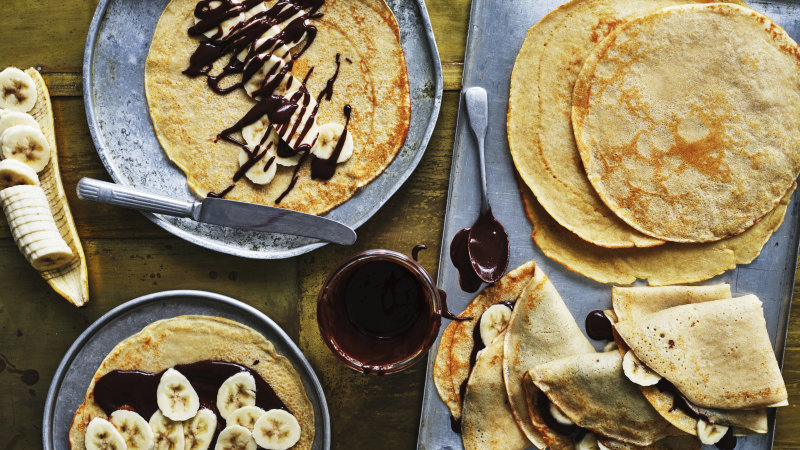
x=671, y=263
x=187, y=115
x=716, y=353
x=487, y=422
x=592, y=390
x=187, y=339
x=539, y=127
x=541, y=329
x=687, y=120
x=452, y=364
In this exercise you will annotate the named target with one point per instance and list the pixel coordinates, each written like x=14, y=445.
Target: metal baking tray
x=496, y=31
x=72, y=378
x=113, y=91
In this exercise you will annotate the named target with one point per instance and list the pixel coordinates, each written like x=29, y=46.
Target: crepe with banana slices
x=354, y=71
x=167, y=343
x=541, y=329
x=593, y=393
x=732, y=370
x=457, y=349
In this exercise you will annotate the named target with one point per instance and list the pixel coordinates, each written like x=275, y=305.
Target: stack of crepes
x=655, y=139
x=521, y=372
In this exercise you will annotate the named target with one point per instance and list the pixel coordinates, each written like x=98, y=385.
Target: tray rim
x=444, y=260
x=107, y=318
x=197, y=239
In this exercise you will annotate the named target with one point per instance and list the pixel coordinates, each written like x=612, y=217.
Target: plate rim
x=99, y=143
x=155, y=297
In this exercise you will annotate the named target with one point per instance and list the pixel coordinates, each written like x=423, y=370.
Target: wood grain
x=129, y=256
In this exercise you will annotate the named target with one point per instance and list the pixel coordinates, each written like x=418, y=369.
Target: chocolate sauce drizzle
x=323, y=169
x=248, y=37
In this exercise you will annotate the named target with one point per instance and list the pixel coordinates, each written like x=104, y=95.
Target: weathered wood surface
x=129, y=256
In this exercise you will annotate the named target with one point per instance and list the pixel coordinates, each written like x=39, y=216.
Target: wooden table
x=129, y=256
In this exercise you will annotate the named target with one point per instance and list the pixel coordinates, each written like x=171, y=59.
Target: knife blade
x=218, y=211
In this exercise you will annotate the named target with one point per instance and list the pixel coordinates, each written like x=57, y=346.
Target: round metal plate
x=118, y=118
x=72, y=378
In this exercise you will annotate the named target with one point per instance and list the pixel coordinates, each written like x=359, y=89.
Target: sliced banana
x=3, y=112
x=254, y=133
x=259, y=173
x=257, y=9
x=329, y=136
x=559, y=416
x=710, y=433
x=224, y=29
x=276, y=429
x=493, y=322
x=27, y=144
x=12, y=118
x=198, y=432
x=610, y=346
x=176, y=397
x=237, y=391
x=167, y=434
x=637, y=372
x=589, y=442
x=15, y=173
x=17, y=90
x=101, y=435
x=235, y=437
x=10, y=195
x=280, y=50
x=293, y=133
x=269, y=66
x=246, y=416
x=134, y=429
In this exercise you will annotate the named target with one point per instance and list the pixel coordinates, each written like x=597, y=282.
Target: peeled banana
x=14, y=173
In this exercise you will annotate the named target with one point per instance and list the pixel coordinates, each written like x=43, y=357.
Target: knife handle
x=116, y=194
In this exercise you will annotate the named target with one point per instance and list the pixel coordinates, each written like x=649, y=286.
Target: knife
x=219, y=211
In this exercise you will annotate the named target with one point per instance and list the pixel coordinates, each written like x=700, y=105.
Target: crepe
x=188, y=339
x=539, y=128
x=631, y=303
x=671, y=263
x=541, y=329
x=592, y=390
x=716, y=353
x=687, y=120
x=452, y=365
x=187, y=115
x=487, y=421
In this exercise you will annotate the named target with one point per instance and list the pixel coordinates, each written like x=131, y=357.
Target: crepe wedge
x=188, y=339
x=715, y=352
x=592, y=391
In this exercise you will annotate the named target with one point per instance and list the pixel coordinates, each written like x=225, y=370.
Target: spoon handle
x=478, y=111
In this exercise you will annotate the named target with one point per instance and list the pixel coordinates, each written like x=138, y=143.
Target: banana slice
x=276, y=429
x=17, y=89
x=259, y=173
x=15, y=173
x=235, y=437
x=236, y=392
x=589, y=442
x=198, y=432
x=224, y=29
x=246, y=416
x=10, y=195
x=637, y=372
x=253, y=133
x=257, y=9
x=101, y=435
x=176, y=397
x=710, y=433
x=610, y=346
x=3, y=112
x=493, y=322
x=12, y=118
x=26, y=144
x=329, y=136
x=167, y=434
x=270, y=66
x=559, y=416
x=278, y=49
x=134, y=429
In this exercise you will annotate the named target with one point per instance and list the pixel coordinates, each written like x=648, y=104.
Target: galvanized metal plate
x=116, y=109
x=497, y=30
x=72, y=378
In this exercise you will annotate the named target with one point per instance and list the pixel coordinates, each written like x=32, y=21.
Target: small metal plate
x=497, y=30
x=113, y=91
x=72, y=378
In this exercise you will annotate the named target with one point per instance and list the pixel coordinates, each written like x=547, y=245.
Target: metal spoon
x=488, y=240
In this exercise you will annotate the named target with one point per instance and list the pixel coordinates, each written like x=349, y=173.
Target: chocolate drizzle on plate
x=323, y=169
x=137, y=390
x=459, y=255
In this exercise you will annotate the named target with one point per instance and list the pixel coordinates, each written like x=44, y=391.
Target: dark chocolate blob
x=459, y=256
x=728, y=442
x=598, y=327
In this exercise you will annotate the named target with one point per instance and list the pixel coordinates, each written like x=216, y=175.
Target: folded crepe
x=487, y=421
x=592, y=391
x=455, y=355
x=541, y=329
